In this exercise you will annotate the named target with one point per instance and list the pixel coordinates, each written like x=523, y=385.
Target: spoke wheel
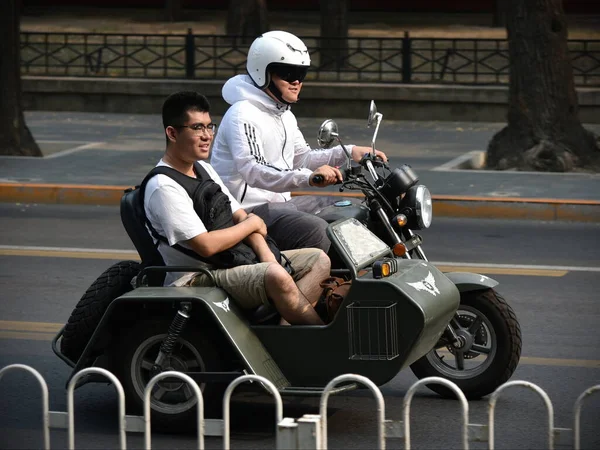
x=489, y=350
x=172, y=402
x=478, y=351
x=169, y=396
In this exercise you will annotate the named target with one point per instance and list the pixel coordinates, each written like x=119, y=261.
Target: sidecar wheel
x=173, y=403
x=493, y=356
x=112, y=283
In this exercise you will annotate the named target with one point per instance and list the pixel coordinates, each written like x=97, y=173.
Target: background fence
x=391, y=60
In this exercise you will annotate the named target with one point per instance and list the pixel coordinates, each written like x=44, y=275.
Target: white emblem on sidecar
x=224, y=305
x=428, y=284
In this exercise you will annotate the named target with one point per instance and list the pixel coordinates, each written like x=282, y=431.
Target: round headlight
x=424, y=207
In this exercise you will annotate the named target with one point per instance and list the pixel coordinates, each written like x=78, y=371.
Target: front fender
x=467, y=281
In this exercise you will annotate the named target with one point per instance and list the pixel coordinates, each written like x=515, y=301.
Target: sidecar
x=394, y=314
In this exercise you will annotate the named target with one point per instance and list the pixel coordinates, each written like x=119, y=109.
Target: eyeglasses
x=199, y=128
x=288, y=72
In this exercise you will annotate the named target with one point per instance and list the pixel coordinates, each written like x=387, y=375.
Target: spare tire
x=114, y=282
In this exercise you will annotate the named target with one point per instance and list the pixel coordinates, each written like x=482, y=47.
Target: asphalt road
x=555, y=298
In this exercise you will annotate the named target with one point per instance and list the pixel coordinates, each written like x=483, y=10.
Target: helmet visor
x=288, y=72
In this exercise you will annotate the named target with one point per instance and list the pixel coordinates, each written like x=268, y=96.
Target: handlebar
x=318, y=179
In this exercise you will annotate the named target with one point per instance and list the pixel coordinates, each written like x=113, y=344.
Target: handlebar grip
x=317, y=179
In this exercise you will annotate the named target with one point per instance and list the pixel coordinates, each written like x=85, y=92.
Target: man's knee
x=278, y=280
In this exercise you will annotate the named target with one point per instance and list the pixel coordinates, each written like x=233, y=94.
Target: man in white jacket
x=260, y=153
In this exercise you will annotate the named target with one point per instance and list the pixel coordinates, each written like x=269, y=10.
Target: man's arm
x=304, y=156
x=212, y=242
x=244, y=140
x=256, y=241
x=335, y=156
x=170, y=209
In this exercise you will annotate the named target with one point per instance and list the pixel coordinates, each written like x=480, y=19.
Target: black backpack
x=214, y=209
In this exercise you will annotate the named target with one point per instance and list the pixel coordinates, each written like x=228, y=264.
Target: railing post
x=287, y=434
x=406, y=58
x=190, y=54
x=534, y=387
x=577, y=414
x=71, y=408
x=309, y=432
x=268, y=385
x=45, y=400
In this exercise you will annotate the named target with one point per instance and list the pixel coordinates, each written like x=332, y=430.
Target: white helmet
x=275, y=49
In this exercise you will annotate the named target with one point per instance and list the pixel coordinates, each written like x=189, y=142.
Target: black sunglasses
x=289, y=73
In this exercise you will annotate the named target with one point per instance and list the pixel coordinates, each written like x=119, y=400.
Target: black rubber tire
x=149, y=334
x=114, y=282
x=508, y=352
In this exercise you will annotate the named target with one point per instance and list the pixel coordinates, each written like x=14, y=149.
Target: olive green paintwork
x=467, y=281
x=398, y=320
x=215, y=301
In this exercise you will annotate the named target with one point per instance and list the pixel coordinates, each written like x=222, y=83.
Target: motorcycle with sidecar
x=400, y=312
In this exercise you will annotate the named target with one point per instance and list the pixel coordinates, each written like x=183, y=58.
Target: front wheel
x=491, y=347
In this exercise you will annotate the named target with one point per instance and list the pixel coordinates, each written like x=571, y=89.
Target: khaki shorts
x=246, y=284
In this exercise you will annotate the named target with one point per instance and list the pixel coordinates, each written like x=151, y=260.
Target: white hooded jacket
x=259, y=152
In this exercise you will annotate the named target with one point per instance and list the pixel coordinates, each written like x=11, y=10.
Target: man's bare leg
x=291, y=304
x=309, y=283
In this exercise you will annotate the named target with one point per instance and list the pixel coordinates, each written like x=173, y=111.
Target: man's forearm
x=257, y=243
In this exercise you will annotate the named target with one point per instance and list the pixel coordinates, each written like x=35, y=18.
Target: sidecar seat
x=134, y=222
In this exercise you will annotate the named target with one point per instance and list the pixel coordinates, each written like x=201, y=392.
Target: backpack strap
x=182, y=180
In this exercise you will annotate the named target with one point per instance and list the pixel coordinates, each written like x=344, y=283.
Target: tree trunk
x=543, y=132
x=334, y=34
x=173, y=10
x=247, y=18
x=499, y=19
x=15, y=137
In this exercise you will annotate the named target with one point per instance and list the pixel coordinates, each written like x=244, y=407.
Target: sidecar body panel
x=213, y=301
x=382, y=326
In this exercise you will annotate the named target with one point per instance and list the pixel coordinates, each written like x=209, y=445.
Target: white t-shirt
x=170, y=210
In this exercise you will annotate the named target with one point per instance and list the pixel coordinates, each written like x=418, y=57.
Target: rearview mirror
x=372, y=114
x=328, y=132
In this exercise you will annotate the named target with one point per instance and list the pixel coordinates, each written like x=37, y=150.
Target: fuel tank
x=344, y=209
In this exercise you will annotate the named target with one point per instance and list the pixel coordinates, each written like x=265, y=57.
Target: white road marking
x=75, y=149
x=67, y=151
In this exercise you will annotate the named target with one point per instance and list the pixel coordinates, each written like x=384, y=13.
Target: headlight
x=423, y=207
x=416, y=205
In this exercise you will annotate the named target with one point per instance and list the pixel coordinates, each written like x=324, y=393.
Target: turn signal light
x=401, y=220
x=385, y=268
x=399, y=249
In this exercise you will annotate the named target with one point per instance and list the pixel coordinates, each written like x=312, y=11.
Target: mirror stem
x=348, y=156
x=378, y=117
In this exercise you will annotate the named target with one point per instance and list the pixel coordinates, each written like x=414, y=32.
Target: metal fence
x=356, y=59
x=307, y=432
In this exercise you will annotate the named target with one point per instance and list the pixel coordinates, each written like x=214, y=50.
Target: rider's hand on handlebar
x=325, y=176
x=358, y=152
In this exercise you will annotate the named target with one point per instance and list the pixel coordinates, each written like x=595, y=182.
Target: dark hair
x=177, y=105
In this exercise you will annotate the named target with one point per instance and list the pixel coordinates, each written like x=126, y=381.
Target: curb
x=547, y=209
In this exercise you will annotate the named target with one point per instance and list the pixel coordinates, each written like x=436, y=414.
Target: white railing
x=307, y=432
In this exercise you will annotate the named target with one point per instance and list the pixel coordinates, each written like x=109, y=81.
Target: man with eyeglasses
x=196, y=222
x=260, y=153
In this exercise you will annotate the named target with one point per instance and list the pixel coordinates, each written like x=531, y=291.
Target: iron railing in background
x=356, y=59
